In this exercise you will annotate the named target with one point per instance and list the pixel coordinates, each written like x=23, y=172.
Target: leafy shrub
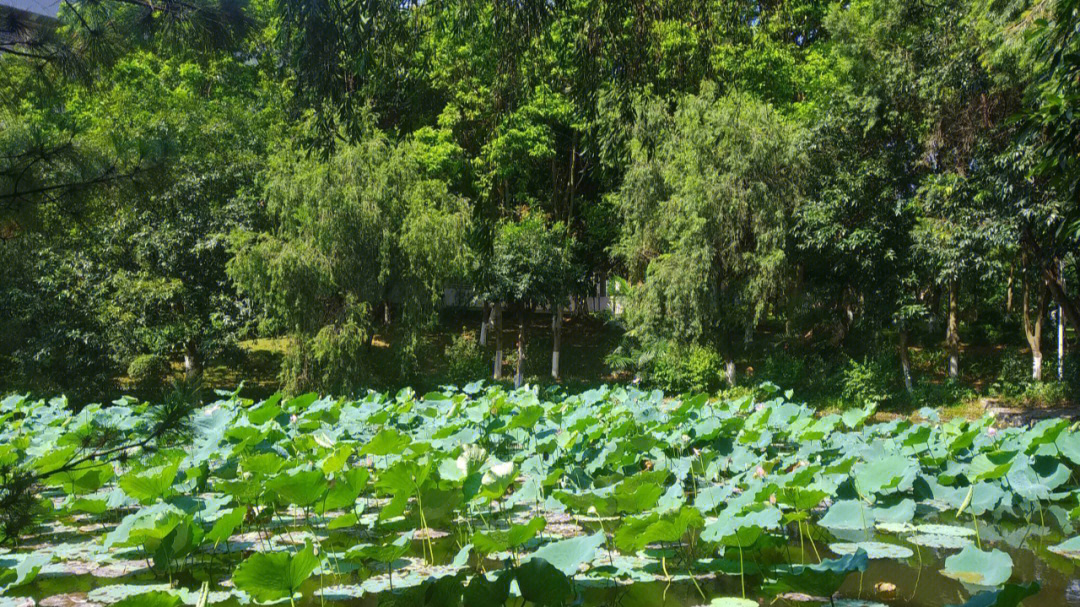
x=785, y=370
x=871, y=380
x=1045, y=393
x=1072, y=374
x=941, y=394
x=930, y=360
x=690, y=368
x=466, y=360
x=1014, y=371
x=148, y=371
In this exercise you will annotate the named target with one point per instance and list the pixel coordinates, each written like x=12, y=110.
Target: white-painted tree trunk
x=1061, y=328
x=497, y=313
x=952, y=335
x=556, y=328
x=519, y=373
x=1061, y=344
x=905, y=361
x=1032, y=321
x=192, y=361
x=485, y=320
x=729, y=371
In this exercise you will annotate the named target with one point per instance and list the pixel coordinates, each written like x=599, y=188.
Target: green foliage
x=365, y=484
x=269, y=577
x=680, y=369
x=148, y=371
x=872, y=380
x=705, y=205
x=351, y=234
x=466, y=360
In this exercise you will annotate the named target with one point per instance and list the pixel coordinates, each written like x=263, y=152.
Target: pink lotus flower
x=760, y=472
x=292, y=420
x=991, y=431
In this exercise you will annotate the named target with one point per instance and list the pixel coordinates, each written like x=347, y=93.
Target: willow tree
x=352, y=235
x=706, y=203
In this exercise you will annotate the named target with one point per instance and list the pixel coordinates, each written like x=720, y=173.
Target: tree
x=530, y=266
x=352, y=236
x=705, y=205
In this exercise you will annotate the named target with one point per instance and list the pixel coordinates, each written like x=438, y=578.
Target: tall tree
x=705, y=205
x=351, y=236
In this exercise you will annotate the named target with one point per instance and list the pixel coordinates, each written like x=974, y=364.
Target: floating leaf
x=1009, y=596
x=874, y=550
x=974, y=566
x=568, y=555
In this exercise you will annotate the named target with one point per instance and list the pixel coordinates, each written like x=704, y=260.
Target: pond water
x=915, y=581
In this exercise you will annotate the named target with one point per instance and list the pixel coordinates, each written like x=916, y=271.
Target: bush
x=692, y=368
x=148, y=371
x=872, y=380
x=1045, y=393
x=1072, y=374
x=784, y=370
x=466, y=360
x=1014, y=372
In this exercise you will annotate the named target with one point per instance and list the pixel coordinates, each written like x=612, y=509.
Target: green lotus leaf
x=640, y=492
x=822, y=579
x=990, y=466
x=885, y=475
x=24, y=571
x=499, y=541
x=226, y=525
x=848, y=514
x=149, y=485
x=387, y=552
x=1009, y=595
x=116, y=593
x=1069, y=548
x=385, y=442
x=568, y=555
x=980, y=568
x=302, y=488
x=275, y=575
x=484, y=592
x=155, y=598
x=636, y=533
x=542, y=583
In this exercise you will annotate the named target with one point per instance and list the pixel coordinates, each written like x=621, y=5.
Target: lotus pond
x=478, y=496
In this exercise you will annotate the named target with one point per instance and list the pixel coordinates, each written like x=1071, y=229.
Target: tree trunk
x=905, y=360
x=1061, y=329
x=1055, y=281
x=1033, y=327
x=519, y=373
x=952, y=336
x=556, y=327
x=485, y=320
x=1009, y=291
x=497, y=312
x=729, y=371
x=192, y=360
x=386, y=313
